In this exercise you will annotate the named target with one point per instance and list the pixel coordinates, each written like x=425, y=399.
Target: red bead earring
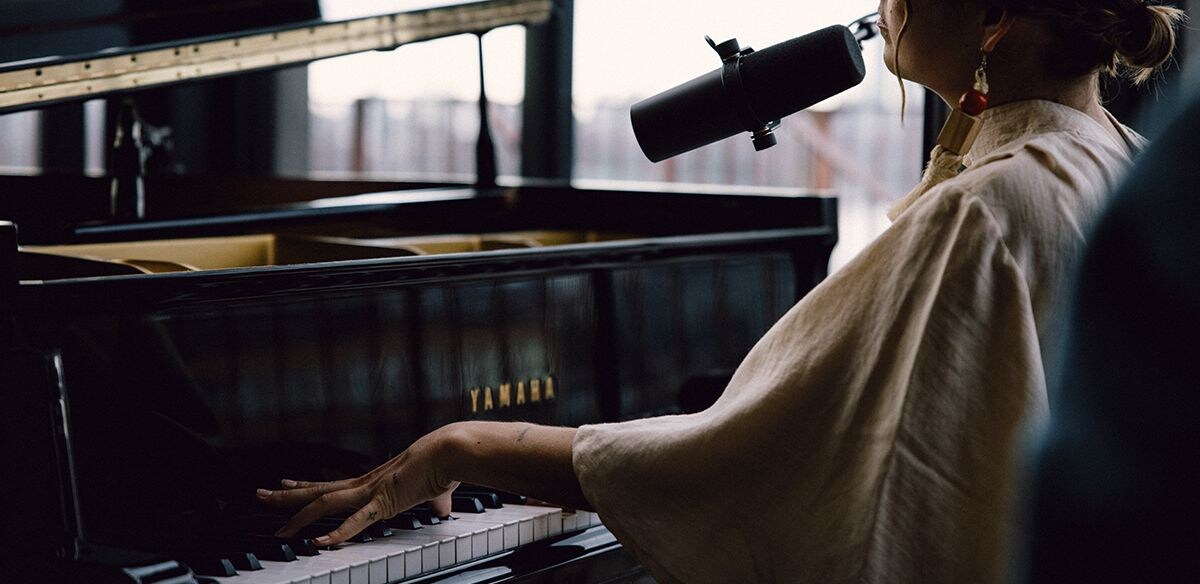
x=975, y=100
x=964, y=124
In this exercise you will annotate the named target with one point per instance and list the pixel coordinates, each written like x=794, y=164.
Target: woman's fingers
x=290, y=484
x=442, y=503
x=326, y=504
x=361, y=519
x=301, y=493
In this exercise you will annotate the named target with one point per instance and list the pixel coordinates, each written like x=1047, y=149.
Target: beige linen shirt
x=873, y=434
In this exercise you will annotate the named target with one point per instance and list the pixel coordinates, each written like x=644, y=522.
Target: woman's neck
x=1082, y=94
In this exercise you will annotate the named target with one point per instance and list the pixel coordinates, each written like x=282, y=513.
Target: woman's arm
x=517, y=457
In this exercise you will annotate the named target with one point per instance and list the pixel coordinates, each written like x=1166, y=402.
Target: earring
x=964, y=125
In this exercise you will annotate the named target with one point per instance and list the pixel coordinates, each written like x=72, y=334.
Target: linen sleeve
x=865, y=408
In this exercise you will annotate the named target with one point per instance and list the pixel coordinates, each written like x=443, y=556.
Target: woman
x=873, y=433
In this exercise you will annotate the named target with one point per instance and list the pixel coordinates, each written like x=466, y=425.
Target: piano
x=172, y=342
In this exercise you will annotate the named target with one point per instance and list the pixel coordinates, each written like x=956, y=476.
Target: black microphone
x=750, y=93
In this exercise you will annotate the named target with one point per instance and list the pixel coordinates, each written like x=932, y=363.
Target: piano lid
x=54, y=51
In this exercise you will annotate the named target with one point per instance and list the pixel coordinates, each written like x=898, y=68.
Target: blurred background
x=624, y=50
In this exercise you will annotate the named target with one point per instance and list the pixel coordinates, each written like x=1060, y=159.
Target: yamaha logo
x=508, y=395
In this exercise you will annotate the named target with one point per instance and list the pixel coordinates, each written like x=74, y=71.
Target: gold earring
x=964, y=125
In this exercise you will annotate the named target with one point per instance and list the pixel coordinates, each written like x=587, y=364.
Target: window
x=852, y=146
x=19, y=150
x=413, y=113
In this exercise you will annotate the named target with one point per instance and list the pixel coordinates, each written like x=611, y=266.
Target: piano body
x=159, y=366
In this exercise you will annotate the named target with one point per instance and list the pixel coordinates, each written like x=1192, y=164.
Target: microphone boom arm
x=865, y=28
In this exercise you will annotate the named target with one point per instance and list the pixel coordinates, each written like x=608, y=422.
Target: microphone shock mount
x=762, y=134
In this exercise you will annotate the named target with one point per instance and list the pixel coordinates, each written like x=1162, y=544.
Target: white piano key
x=541, y=529
x=416, y=551
x=387, y=557
x=532, y=523
x=311, y=570
x=395, y=563
x=493, y=540
x=464, y=532
x=363, y=562
x=570, y=521
x=479, y=543
x=526, y=532
x=430, y=546
x=444, y=551
x=512, y=534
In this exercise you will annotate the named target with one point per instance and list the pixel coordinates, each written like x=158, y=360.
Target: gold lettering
x=487, y=399
x=549, y=387
x=505, y=395
x=535, y=390
x=520, y=392
x=474, y=400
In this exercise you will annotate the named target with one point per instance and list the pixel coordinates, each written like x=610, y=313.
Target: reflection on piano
x=158, y=370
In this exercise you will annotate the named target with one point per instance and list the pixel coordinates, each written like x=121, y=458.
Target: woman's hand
x=406, y=480
x=510, y=456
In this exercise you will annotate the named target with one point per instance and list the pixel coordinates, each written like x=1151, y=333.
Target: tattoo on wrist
x=395, y=478
x=371, y=515
x=521, y=436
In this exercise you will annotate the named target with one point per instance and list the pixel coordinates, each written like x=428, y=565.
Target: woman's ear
x=995, y=27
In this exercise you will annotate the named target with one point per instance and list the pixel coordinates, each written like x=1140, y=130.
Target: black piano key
x=379, y=529
x=210, y=566
x=490, y=500
x=202, y=555
x=268, y=548
x=324, y=526
x=303, y=546
x=361, y=537
x=244, y=561
x=465, y=504
x=512, y=499
x=405, y=521
x=239, y=553
x=302, y=543
x=425, y=515
x=505, y=496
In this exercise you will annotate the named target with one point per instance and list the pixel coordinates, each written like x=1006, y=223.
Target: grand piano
x=171, y=342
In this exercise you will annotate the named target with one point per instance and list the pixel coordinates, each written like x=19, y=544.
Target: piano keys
x=461, y=541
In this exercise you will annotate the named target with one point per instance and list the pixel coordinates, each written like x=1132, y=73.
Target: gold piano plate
x=216, y=253
x=469, y=243
x=249, y=251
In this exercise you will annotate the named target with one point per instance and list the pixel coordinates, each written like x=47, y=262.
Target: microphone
x=750, y=93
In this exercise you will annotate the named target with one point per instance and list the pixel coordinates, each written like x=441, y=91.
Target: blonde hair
x=896, y=58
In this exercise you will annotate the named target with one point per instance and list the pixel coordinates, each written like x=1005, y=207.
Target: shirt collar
x=1005, y=124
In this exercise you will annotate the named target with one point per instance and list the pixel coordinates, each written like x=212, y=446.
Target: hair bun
x=1145, y=37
